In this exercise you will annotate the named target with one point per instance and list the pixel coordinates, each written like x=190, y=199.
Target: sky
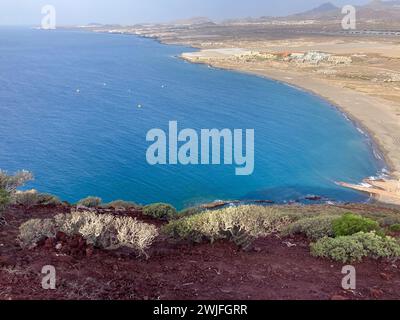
x=73, y=12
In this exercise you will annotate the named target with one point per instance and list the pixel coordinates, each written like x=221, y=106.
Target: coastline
x=369, y=114
x=375, y=117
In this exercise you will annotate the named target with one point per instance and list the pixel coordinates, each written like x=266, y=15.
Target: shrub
x=121, y=204
x=160, y=211
x=189, y=212
x=355, y=247
x=27, y=199
x=4, y=202
x=395, y=228
x=103, y=231
x=389, y=221
x=314, y=228
x=255, y=221
x=350, y=224
x=32, y=198
x=34, y=230
x=45, y=199
x=10, y=183
x=90, y=202
x=4, y=199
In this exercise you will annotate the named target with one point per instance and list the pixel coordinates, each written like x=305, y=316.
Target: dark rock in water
x=264, y=201
x=313, y=198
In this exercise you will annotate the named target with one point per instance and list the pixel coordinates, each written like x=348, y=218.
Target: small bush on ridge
x=395, y=228
x=314, y=228
x=10, y=183
x=32, y=198
x=356, y=247
x=90, y=202
x=121, y=204
x=34, y=230
x=255, y=221
x=161, y=211
x=4, y=199
x=350, y=224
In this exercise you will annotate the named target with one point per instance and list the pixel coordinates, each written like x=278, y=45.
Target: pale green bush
x=90, y=202
x=255, y=221
x=27, y=199
x=121, y=204
x=161, y=211
x=103, y=231
x=10, y=183
x=32, y=198
x=314, y=228
x=35, y=230
x=355, y=247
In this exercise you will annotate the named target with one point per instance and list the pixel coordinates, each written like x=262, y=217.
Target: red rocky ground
x=273, y=269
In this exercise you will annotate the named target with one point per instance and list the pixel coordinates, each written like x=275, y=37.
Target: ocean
x=75, y=108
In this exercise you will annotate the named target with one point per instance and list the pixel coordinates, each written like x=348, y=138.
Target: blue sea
x=69, y=112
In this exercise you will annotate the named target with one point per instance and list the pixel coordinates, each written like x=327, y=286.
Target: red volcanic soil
x=275, y=268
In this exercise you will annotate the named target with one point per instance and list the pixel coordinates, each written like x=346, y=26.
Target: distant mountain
x=375, y=10
x=193, y=21
x=326, y=10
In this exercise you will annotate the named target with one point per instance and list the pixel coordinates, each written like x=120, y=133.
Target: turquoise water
x=69, y=113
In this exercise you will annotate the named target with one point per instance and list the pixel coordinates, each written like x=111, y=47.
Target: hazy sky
x=28, y=12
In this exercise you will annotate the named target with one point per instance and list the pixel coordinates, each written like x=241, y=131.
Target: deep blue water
x=92, y=142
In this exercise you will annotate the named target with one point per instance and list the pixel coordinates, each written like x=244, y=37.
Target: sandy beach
x=379, y=118
x=359, y=74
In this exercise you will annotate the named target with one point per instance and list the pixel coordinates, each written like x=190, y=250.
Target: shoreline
x=374, y=117
x=365, y=130
x=385, y=187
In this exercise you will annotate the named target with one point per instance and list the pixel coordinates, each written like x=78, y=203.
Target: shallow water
x=69, y=113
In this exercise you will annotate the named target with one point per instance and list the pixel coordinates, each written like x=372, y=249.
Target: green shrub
x=314, y=228
x=350, y=224
x=27, y=199
x=395, y=228
x=90, y=202
x=356, y=247
x=161, y=211
x=103, y=231
x=121, y=204
x=4, y=202
x=32, y=198
x=254, y=221
x=4, y=199
x=45, y=199
x=189, y=212
x=10, y=183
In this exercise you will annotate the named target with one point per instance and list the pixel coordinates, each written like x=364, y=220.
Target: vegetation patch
x=395, y=228
x=32, y=198
x=90, y=202
x=228, y=223
x=355, y=247
x=121, y=205
x=160, y=211
x=103, y=231
x=350, y=224
x=314, y=228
